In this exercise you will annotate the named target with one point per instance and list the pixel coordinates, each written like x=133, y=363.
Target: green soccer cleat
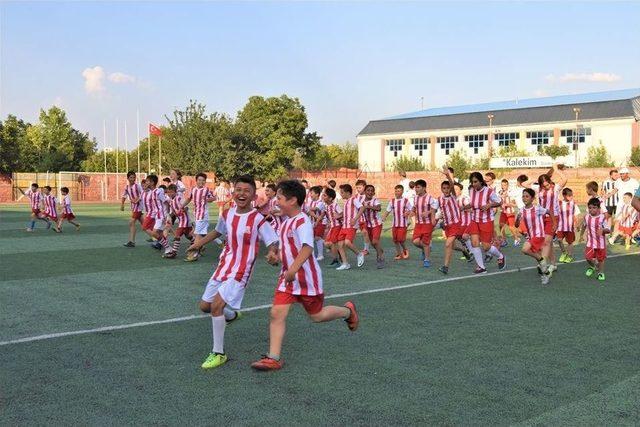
x=568, y=259
x=563, y=258
x=601, y=277
x=589, y=272
x=214, y=360
x=239, y=315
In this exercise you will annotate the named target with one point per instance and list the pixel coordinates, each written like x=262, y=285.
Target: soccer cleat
x=343, y=267
x=239, y=316
x=502, y=262
x=516, y=243
x=601, y=277
x=504, y=244
x=267, y=364
x=30, y=230
x=169, y=255
x=467, y=255
x=568, y=259
x=488, y=258
x=129, y=245
x=444, y=269
x=78, y=227
x=379, y=263
x=627, y=246
x=553, y=268
x=612, y=241
x=544, y=279
x=479, y=270
x=335, y=262
x=543, y=265
x=589, y=272
x=151, y=240
x=353, y=320
x=214, y=360
x=191, y=256
x=405, y=254
x=360, y=259
x=562, y=257
x=426, y=263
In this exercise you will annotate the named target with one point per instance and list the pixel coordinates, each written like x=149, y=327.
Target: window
x=420, y=144
x=395, y=145
x=506, y=139
x=476, y=142
x=575, y=135
x=540, y=138
x=447, y=143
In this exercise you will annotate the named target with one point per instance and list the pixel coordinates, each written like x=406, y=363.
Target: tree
x=460, y=162
x=634, y=160
x=597, y=157
x=271, y=131
x=555, y=151
x=512, y=150
x=408, y=164
x=13, y=134
x=332, y=156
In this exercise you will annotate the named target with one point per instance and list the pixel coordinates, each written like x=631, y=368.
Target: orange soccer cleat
x=267, y=364
x=352, y=320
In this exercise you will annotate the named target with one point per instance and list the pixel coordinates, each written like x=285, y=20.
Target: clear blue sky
x=347, y=62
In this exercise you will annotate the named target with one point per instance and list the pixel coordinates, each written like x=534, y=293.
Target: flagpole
x=149, y=149
x=104, y=151
x=126, y=149
x=117, y=155
x=159, y=155
x=138, y=136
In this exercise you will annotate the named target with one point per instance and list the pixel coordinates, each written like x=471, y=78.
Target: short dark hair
x=172, y=187
x=361, y=182
x=164, y=187
x=201, y=174
x=412, y=184
x=293, y=188
x=421, y=183
x=347, y=188
x=246, y=179
x=366, y=187
x=304, y=181
x=399, y=187
x=445, y=183
x=153, y=178
x=450, y=169
x=330, y=192
x=46, y=187
x=131, y=173
x=628, y=194
x=505, y=180
x=522, y=178
x=35, y=184
x=530, y=191
x=166, y=179
x=567, y=192
x=594, y=201
x=543, y=178
x=64, y=190
x=316, y=189
x=272, y=187
x=458, y=185
x=592, y=185
x=331, y=183
x=490, y=175
x=178, y=172
x=612, y=171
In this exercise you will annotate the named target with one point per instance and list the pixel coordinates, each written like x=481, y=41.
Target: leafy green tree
x=408, y=164
x=634, y=160
x=332, y=156
x=597, y=157
x=13, y=136
x=555, y=151
x=512, y=150
x=460, y=162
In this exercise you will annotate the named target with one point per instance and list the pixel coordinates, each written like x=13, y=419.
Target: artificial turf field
x=493, y=350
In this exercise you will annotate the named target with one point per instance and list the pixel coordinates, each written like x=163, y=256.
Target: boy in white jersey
x=300, y=278
x=244, y=228
x=132, y=191
x=201, y=197
x=567, y=219
x=370, y=210
x=625, y=224
x=67, y=212
x=401, y=209
x=596, y=226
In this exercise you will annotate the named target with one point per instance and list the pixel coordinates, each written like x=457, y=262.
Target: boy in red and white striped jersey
x=132, y=191
x=424, y=210
x=156, y=214
x=300, y=279
x=625, y=225
x=507, y=214
x=181, y=214
x=35, y=202
x=244, y=228
x=370, y=210
x=333, y=214
x=451, y=217
x=270, y=208
x=350, y=218
x=201, y=197
x=401, y=208
x=595, y=224
x=315, y=210
x=567, y=219
x=535, y=246
x=67, y=212
x=50, y=203
x=362, y=225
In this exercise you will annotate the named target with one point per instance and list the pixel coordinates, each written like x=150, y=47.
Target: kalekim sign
x=528, y=162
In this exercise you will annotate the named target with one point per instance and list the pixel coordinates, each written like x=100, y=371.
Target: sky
x=347, y=62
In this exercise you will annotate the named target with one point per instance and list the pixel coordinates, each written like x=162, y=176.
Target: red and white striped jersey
x=295, y=233
x=371, y=217
x=361, y=198
x=181, y=213
x=199, y=198
x=567, y=214
x=146, y=200
x=450, y=210
x=351, y=207
x=422, y=207
x=156, y=203
x=276, y=220
x=507, y=202
x=180, y=187
x=50, y=203
x=307, y=202
x=133, y=191
x=533, y=218
x=479, y=198
x=66, y=205
x=223, y=194
x=243, y=233
x=332, y=212
x=594, y=224
x=548, y=199
x=628, y=215
x=400, y=208
x=465, y=215
x=35, y=197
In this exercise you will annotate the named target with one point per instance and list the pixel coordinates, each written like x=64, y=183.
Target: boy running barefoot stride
x=244, y=227
x=300, y=278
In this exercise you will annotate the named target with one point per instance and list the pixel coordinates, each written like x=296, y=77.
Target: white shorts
x=230, y=291
x=159, y=224
x=202, y=226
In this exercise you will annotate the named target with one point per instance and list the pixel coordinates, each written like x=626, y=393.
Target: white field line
x=265, y=306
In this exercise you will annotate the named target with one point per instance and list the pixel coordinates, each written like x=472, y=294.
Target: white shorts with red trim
x=230, y=291
x=202, y=227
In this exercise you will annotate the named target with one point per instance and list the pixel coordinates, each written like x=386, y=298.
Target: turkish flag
x=154, y=130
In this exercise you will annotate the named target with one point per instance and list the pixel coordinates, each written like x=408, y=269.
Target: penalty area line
x=266, y=306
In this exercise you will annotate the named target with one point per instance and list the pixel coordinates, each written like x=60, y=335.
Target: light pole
x=422, y=102
x=576, y=137
x=490, y=117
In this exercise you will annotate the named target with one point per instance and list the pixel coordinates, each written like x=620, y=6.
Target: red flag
x=154, y=130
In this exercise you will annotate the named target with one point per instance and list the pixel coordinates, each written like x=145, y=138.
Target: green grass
x=497, y=349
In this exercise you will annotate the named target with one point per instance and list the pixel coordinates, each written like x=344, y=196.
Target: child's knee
x=205, y=306
x=316, y=318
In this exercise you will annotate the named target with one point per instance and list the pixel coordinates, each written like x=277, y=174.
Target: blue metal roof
x=582, y=98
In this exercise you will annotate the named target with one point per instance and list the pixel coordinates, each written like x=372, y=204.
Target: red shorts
x=182, y=231
x=36, y=212
x=68, y=216
x=482, y=229
x=423, y=232
x=509, y=219
x=334, y=234
x=453, y=230
x=318, y=230
x=569, y=236
x=362, y=225
x=311, y=304
x=399, y=234
x=347, y=233
x=148, y=223
x=374, y=232
x=536, y=243
x=597, y=254
x=625, y=231
x=548, y=226
x=523, y=227
x=51, y=216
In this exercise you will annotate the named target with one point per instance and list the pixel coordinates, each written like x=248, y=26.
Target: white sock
x=320, y=247
x=495, y=252
x=477, y=254
x=217, y=241
x=228, y=313
x=366, y=246
x=468, y=245
x=218, y=324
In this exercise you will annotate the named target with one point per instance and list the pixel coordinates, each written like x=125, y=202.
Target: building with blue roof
x=578, y=121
